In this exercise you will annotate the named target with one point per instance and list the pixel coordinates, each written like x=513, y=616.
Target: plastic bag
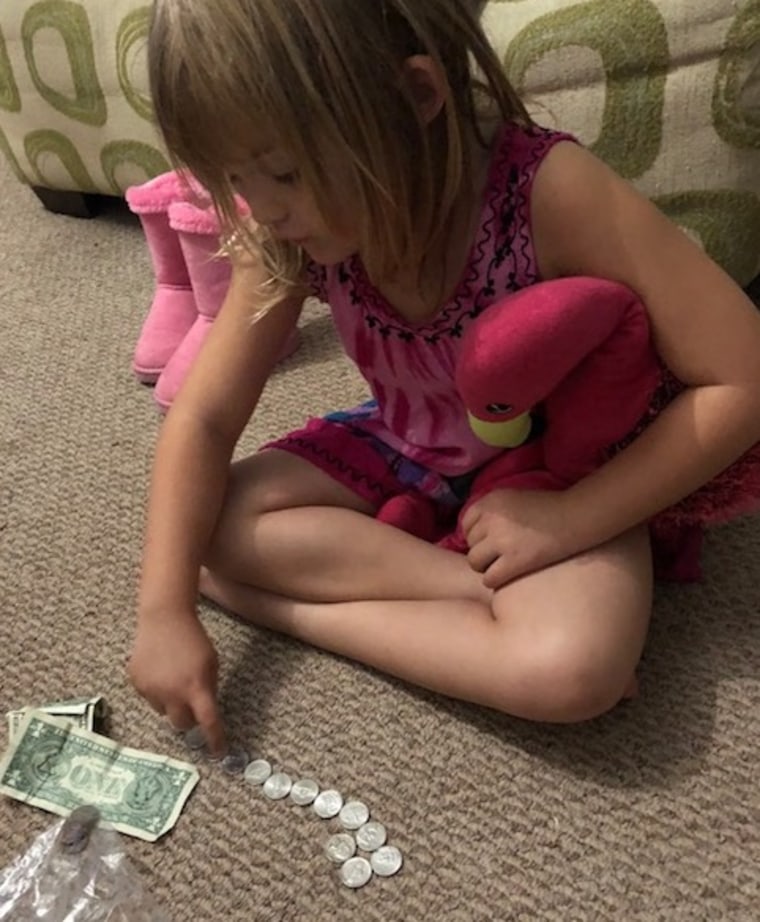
x=76, y=872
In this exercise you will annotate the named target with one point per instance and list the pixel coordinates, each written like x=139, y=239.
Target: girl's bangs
x=209, y=136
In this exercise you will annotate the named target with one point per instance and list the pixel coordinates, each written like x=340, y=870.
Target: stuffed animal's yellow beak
x=508, y=433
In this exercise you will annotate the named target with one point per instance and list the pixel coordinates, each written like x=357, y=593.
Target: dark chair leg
x=73, y=204
x=753, y=290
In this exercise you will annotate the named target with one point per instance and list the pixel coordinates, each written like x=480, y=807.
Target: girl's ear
x=426, y=86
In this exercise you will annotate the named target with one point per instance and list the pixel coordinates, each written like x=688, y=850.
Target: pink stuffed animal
x=554, y=374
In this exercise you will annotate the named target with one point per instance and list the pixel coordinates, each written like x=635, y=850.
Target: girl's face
x=270, y=183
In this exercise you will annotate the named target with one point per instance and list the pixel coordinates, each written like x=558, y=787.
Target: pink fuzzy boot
x=200, y=238
x=172, y=311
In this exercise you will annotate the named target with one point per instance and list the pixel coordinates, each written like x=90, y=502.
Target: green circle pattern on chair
x=10, y=100
x=70, y=20
x=11, y=157
x=133, y=30
x=736, y=123
x=45, y=141
x=118, y=153
x=632, y=40
x=708, y=213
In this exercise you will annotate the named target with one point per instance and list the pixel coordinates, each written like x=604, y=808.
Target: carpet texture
x=652, y=812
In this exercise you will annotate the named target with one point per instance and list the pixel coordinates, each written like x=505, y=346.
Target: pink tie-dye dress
x=416, y=415
x=413, y=435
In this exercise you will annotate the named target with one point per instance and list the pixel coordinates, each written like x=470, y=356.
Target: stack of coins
x=367, y=836
x=359, y=834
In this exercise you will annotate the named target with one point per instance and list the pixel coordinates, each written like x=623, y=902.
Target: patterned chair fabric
x=666, y=91
x=74, y=107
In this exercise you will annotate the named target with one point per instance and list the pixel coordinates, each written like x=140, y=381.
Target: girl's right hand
x=174, y=666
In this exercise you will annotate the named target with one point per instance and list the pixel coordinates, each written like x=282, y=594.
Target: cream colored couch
x=667, y=91
x=75, y=114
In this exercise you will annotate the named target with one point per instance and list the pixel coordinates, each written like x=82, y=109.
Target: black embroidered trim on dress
x=504, y=234
x=337, y=462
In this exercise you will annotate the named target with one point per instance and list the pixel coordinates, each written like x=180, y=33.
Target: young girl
x=391, y=170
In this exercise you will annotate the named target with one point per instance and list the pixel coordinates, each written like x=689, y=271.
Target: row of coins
x=360, y=832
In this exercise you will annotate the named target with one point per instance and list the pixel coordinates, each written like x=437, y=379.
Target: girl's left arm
x=588, y=221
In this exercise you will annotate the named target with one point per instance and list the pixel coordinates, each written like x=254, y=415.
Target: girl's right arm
x=173, y=663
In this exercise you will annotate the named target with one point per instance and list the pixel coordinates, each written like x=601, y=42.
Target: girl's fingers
x=155, y=703
x=180, y=717
x=481, y=556
x=469, y=519
x=497, y=574
x=206, y=715
x=476, y=533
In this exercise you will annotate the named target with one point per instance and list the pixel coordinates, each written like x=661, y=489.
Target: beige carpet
x=650, y=813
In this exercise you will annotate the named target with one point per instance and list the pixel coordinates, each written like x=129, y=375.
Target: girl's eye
x=287, y=179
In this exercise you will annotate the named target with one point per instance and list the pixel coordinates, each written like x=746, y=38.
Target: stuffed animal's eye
x=499, y=408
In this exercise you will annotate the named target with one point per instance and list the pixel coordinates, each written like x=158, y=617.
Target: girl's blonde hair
x=326, y=79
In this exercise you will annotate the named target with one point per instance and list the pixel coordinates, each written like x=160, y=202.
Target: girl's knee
x=252, y=490
x=247, y=498
x=562, y=683
x=582, y=690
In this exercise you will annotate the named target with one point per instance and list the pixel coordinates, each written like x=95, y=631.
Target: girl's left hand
x=515, y=532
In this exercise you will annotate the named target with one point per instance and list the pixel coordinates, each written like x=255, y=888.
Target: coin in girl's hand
x=235, y=762
x=194, y=739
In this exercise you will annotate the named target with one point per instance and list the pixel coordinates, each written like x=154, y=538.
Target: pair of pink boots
x=184, y=239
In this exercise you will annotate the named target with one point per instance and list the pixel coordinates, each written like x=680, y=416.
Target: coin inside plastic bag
x=77, y=829
x=50, y=883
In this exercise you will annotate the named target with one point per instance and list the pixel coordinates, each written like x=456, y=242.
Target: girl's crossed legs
x=297, y=552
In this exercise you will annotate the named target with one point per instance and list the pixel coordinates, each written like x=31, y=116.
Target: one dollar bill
x=58, y=767
x=85, y=713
